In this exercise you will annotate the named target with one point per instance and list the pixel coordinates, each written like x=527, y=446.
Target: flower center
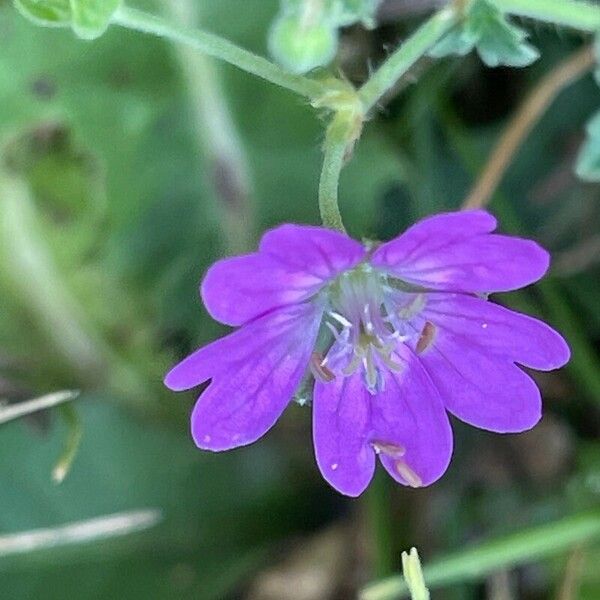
x=368, y=317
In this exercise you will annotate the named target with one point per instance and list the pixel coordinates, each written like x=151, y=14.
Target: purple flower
x=395, y=335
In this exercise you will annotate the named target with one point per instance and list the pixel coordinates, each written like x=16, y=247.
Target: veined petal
x=479, y=387
x=409, y=413
x=323, y=252
x=456, y=252
x=254, y=372
x=498, y=330
x=341, y=434
x=406, y=424
x=259, y=337
x=245, y=400
x=292, y=264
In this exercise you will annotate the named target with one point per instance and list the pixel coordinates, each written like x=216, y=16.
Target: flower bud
x=300, y=45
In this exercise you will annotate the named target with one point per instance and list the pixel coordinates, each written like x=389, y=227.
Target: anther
x=426, y=338
x=391, y=450
x=319, y=370
x=408, y=474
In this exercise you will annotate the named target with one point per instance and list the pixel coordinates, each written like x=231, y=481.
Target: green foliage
x=52, y=13
x=517, y=548
x=588, y=161
x=212, y=511
x=88, y=18
x=349, y=12
x=304, y=35
x=301, y=47
x=486, y=29
x=117, y=197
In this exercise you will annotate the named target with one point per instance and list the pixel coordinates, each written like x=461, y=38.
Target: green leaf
x=92, y=17
x=588, y=161
x=51, y=13
x=497, y=41
x=477, y=562
x=88, y=18
x=348, y=12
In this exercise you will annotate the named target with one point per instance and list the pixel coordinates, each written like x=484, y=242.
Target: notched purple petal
x=293, y=263
x=498, y=330
x=254, y=373
x=341, y=426
x=480, y=388
x=409, y=415
x=255, y=378
x=405, y=424
x=458, y=253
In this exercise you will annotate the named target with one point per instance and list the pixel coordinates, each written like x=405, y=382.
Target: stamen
x=352, y=365
x=389, y=449
x=369, y=328
x=387, y=360
x=368, y=317
x=408, y=474
x=340, y=319
x=371, y=373
x=318, y=368
x=426, y=338
x=334, y=331
x=413, y=308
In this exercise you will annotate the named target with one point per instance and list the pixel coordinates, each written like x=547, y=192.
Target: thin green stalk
x=406, y=56
x=570, y=13
x=217, y=138
x=32, y=275
x=341, y=134
x=217, y=47
x=380, y=525
x=74, y=434
x=474, y=564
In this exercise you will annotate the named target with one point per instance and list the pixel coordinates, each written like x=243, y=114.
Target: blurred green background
x=114, y=200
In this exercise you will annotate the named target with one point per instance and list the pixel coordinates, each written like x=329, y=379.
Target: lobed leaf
x=485, y=29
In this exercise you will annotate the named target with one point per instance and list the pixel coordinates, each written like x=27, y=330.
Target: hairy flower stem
x=217, y=138
x=569, y=13
x=342, y=133
x=406, y=56
x=218, y=47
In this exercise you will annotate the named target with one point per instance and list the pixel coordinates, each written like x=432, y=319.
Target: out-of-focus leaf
x=216, y=510
x=475, y=563
x=50, y=13
x=588, y=161
x=348, y=12
x=91, y=17
x=88, y=18
x=497, y=41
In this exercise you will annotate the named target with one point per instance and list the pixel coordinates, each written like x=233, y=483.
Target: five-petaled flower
x=396, y=336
